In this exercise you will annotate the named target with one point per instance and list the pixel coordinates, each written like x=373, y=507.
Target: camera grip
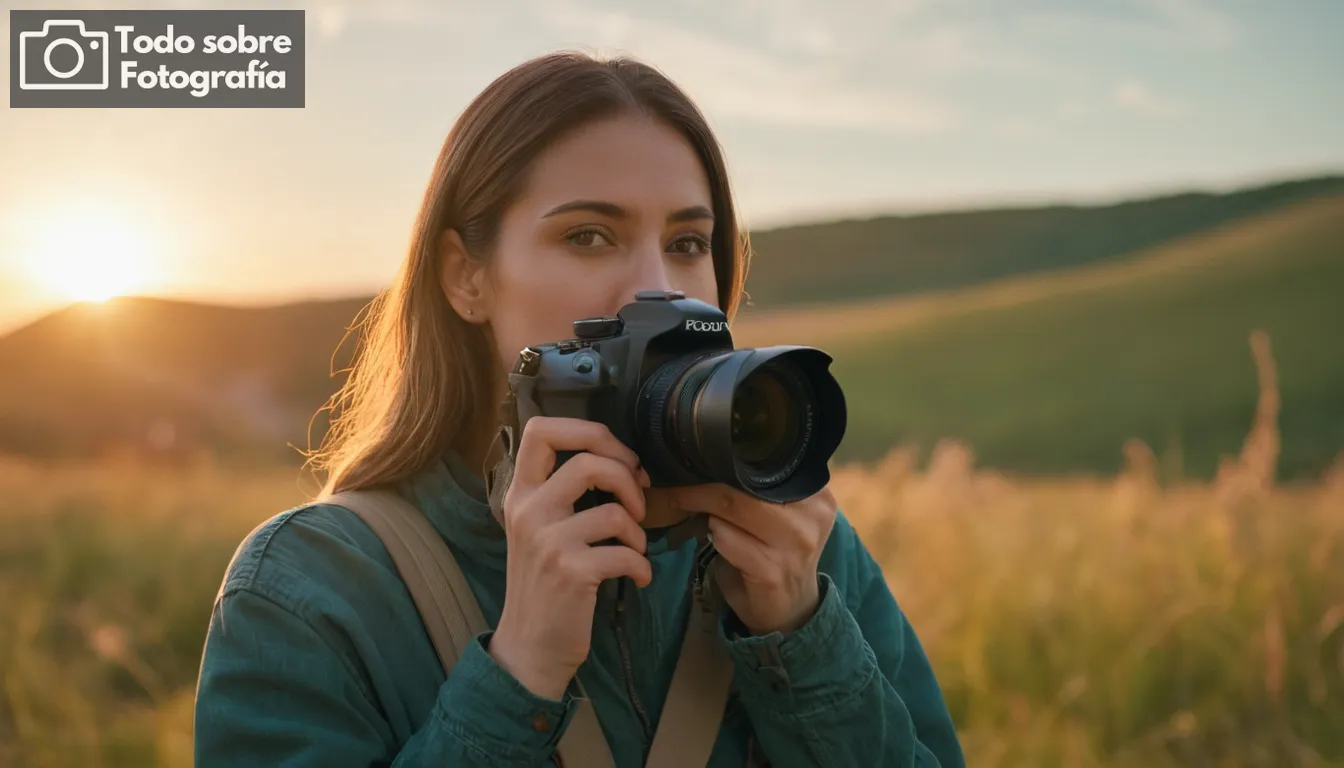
x=590, y=498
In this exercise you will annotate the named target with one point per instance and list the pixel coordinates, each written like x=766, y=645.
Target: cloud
x=1194, y=20
x=331, y=20
x=903, y=38
x=1172, y=24
x=730, y=79
x=1016, y=127
x=1134, y=96
x=835, y=31
x=811, y=40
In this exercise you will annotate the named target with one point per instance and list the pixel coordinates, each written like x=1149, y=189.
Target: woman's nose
x=648, y=271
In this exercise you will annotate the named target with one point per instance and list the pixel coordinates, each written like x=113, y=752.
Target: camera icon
x=44, y=62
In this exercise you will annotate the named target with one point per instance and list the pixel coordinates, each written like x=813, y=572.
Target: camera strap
x=514, y=411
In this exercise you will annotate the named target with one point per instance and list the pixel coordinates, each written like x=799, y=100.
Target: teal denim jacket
x=316, y=656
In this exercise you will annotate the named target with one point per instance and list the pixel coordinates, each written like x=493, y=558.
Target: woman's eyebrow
x=615, y=211
x=693, y=213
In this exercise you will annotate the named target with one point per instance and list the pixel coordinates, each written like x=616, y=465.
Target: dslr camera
x=663, y=376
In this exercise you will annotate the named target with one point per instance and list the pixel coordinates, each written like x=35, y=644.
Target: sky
x=825, y=109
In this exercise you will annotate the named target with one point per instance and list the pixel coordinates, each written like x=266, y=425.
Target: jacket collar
x=453, y=497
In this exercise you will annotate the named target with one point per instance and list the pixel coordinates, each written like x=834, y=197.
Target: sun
x=90, y=256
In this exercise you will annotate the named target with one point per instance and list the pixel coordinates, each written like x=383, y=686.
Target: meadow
x=1126, y=620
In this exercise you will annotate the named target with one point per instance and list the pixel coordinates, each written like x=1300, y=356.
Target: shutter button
x=659, y=295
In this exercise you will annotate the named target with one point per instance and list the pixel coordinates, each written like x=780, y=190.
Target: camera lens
x=763, y=420
x=767, y=428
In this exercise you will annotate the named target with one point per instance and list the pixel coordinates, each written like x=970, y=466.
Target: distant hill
x=1040, y=373
x=137, y=371
x=900, y=255
x=1052, y=373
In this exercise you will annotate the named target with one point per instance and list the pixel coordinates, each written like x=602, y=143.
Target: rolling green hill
x=1044, y=371
x=896, y=255
x=1053, y=373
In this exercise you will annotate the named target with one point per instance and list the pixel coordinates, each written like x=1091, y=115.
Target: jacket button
x=540, y=723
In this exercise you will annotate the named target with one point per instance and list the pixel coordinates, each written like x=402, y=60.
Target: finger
x=741, y=549
x=759, y=517
x=602, y=563
x=606, y=522
x=544, y=436
x=587, y=471
x=711, y=498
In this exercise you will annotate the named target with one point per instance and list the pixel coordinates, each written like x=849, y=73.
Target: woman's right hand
x=545, y=628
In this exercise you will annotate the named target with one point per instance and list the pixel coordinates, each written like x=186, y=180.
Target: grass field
x=1117, y=621
x=1053, y=373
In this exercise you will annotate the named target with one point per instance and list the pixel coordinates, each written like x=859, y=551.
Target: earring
x=469, y=311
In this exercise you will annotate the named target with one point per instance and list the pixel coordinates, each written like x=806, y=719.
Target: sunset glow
x=90, y=256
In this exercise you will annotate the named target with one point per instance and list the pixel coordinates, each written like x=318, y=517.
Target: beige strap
x=584, y=743
x=435, y=581
x=447, y=607
x=693, y=713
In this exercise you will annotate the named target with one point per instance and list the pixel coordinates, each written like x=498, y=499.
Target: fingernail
x=644, y=477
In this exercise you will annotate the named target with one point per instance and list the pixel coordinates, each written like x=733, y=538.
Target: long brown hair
x=423, y=380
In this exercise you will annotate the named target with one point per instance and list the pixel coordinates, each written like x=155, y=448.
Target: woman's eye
x=587, y=238
x=691, y=244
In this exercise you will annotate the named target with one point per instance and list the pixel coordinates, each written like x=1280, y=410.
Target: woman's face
x=618, y=206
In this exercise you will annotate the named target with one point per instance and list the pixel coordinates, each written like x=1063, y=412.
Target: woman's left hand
x=769, y=552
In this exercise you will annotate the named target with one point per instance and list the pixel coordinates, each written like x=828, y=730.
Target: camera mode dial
x=598, y=327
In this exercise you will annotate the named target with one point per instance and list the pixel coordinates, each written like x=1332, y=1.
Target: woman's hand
x=771, y=552
x=545, y=627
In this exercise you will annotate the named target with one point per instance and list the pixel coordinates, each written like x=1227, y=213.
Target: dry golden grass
x=1072, y=622
x=1116, y=622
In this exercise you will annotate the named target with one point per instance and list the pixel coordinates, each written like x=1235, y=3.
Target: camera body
x=663, y=375
x=42, y=57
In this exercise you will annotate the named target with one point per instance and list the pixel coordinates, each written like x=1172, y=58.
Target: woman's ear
x=463, y=279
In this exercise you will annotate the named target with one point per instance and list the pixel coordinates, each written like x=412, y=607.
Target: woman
x=565, y=187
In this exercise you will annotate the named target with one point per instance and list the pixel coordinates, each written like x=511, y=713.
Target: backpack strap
x=447, y=607
x=436, y=582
